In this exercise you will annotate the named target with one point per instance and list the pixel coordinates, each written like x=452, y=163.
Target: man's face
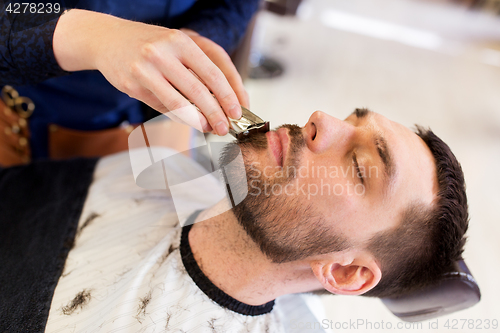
x=332, y=184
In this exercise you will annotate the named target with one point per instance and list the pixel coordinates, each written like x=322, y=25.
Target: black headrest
x=455, y=291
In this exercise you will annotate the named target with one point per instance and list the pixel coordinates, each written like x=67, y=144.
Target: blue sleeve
x=26, y=54
x=222, y=21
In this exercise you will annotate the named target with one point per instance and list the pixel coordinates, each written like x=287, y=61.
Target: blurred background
x=434, y=63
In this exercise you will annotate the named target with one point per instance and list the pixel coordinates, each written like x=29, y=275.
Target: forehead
x=414, y=179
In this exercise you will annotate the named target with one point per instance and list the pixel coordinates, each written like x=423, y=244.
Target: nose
x=322, y=131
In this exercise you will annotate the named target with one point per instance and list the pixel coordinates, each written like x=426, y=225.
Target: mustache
x=259, y=140
x=297, y=138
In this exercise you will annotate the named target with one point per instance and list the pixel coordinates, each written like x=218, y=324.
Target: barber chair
x=456, y=291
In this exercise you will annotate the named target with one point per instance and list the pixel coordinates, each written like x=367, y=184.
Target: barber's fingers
x=191, y=87
x=225, y=64
x=235, y=81
x=148, y=98
x=159, y=94
x=215, y=80
x=222, y=60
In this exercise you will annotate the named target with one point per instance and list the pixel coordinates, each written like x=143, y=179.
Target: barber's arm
x=26, y=55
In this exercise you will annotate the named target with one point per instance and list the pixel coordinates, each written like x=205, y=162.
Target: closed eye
x=356, y=165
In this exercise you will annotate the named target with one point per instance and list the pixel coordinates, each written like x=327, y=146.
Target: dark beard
x=286, y=228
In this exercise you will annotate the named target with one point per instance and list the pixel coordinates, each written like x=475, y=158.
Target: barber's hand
x=146, y=62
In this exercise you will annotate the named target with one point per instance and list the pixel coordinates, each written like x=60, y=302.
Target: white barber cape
x=125, y=272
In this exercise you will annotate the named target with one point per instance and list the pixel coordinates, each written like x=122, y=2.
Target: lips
x=285, y=140
x=278, y=144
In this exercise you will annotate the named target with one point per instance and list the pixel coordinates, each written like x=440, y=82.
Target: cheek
x=332, y=196
x=330, y=184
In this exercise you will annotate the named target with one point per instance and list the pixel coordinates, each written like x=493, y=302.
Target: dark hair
x=429, y=240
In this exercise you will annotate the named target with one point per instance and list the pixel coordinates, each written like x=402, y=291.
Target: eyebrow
x=381, y=144
x=385, y=154
x=361, y=113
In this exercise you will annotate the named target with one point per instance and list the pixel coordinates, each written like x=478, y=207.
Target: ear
x=353, y=278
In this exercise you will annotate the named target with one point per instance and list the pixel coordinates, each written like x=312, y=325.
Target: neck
x=234, y=263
